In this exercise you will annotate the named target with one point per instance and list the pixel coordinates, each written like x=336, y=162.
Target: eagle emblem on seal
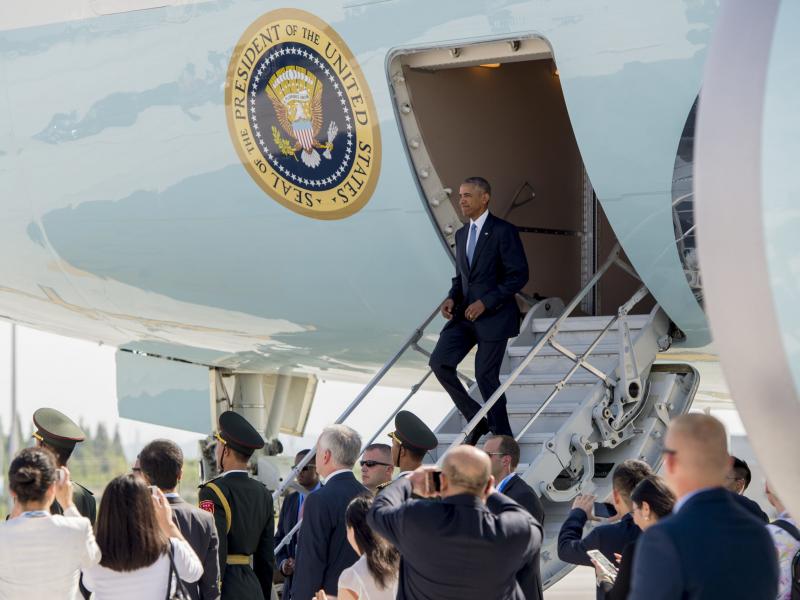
x=296, y=96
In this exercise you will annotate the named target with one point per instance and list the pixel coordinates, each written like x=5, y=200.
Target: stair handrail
x=613, y=258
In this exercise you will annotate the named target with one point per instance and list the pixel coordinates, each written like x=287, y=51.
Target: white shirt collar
x=402, y=474
x=479, y=221
x=688, y=497
x=334, y=474
x=234, y=471
x=172, y=495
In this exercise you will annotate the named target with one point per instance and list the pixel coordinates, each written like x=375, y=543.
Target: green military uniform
x=57, y=431
x=243, y=513
x=410, y=432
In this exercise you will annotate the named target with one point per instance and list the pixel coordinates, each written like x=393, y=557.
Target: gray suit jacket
x=198, y=527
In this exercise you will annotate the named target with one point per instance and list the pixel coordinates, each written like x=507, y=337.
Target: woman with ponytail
x=41, y=555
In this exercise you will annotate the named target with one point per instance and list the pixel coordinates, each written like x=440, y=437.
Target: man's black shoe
x=480, y=430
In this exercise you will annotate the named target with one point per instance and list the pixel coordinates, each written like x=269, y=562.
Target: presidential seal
x=301, y=116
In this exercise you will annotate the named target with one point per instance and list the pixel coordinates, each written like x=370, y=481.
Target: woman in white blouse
x=41, y=555
x=137, y=536
x=374, y=575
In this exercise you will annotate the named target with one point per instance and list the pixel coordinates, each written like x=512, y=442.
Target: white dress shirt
x=41, y=556
x=479, y=224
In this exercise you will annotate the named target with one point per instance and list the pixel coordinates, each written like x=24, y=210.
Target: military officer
x=59, y=434
x=243, y=513
x=411, y=440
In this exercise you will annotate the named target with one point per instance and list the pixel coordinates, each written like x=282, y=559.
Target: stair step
x=604, y=348
x=526, y=440
x=552, y=409
x=581, y=376
x=588, y=323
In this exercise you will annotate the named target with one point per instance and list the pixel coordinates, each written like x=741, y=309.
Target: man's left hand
x=474, y=310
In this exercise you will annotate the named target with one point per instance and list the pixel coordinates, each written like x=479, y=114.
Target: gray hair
x=343, y=442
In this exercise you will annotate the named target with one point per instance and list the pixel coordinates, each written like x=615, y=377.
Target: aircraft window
x=683, y=206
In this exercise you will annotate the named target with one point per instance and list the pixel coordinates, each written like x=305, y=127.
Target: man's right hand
x=447, y=308
x=421, y=481
x=586, y=504
x=287, y=567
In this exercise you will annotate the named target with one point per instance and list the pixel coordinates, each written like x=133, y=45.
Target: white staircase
x=583, y=395
x=615, y=408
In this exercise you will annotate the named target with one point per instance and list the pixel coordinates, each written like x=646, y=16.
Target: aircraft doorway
x=497, y=110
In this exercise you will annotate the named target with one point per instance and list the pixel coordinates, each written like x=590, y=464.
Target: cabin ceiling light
x=491, y=65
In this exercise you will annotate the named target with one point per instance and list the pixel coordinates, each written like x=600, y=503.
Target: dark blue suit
x=459, y=548
x=323, y=551
x=499, y=270
x=609, y=539
x=286, y=521
x=711, y=549
x=530, y=578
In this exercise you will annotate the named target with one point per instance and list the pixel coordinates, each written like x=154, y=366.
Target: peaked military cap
x=409, y=430
x=56, y=429
x=237, y=433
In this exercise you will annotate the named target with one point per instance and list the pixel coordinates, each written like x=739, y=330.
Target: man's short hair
x=742, y=471
x=480, y=183
x=627, y=476
x=343, y=442
x=161, y=462
x=384, y=449
x=508, y=446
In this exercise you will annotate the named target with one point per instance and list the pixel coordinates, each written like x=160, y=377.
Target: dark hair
x=31, y=474
x=416, y=453
x=383, y=559
x=742, y=471
x=127, y=529
x=161, y=462
x=627, y=476
x=508, y=446
x=62, y=454
x=480, y=183
x=655, y=492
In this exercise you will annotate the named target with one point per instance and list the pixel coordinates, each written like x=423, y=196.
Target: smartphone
x=61, y=476
x=436, y=481
x=604, y=510
x=605, y=565
x=154, y=491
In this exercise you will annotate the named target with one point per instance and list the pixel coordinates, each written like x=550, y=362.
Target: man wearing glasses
x=376, y=466
x=291, y=511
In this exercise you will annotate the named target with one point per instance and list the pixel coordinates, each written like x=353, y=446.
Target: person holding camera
x=471, y=545
x=145, y=556
x=41, y=554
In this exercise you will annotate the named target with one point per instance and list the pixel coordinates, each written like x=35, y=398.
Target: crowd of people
x=471, y=528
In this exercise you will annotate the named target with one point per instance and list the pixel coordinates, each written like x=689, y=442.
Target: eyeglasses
x=498, y=454
x=669, y=451
x=373, y=463
x=305, y=468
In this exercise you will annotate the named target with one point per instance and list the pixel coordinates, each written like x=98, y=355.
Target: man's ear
x=180, y=474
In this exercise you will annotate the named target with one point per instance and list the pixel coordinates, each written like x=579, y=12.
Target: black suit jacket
x=711, y=548
x=323, y=551
x=751, y=506
x=459, y=548
x=251, y=534
x=499, y=270
x=609, y=539
x=286, y=521
x=198, y=527
x=529, y=578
